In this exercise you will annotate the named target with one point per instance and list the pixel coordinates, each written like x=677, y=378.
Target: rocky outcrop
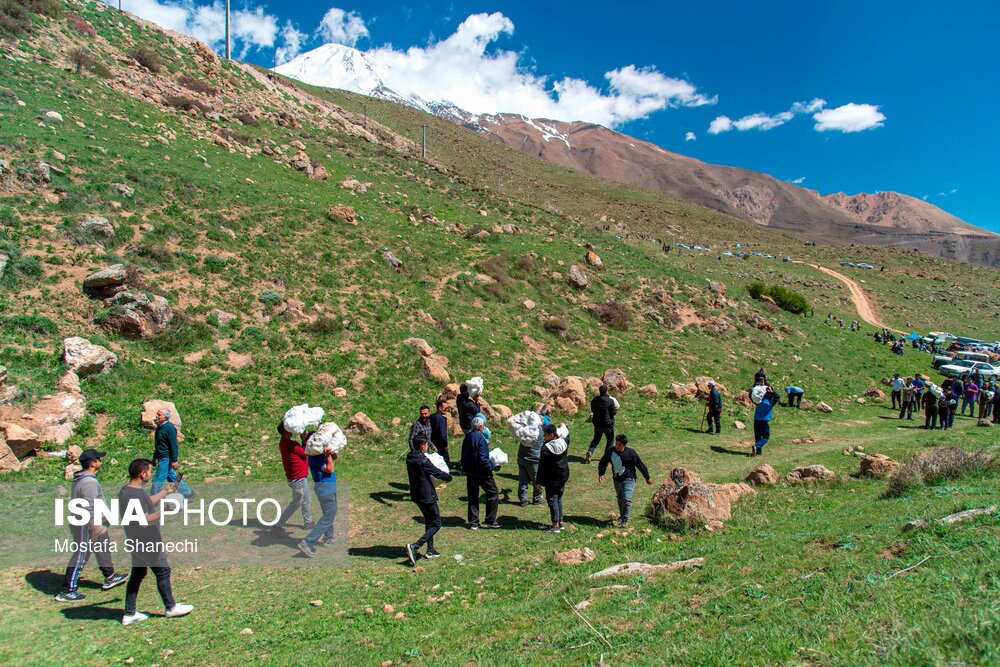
x=763, y=475
x=616, y=381
x=151, y=407
x=20, y=440
x=361, y=424
x=136, y=314
x=877, y=465
x=106, y=283
x=686, y=498
x=813, y=473
x=84, y=358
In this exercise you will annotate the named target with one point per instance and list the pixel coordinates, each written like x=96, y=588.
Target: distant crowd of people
x=970, y=393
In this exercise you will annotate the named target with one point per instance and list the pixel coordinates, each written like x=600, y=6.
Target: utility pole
x=423, y=153
x=227, y=29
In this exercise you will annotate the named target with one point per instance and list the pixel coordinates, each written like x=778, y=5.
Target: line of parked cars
x=863, y=265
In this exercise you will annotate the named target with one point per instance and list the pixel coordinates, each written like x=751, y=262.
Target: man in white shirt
x=897, y=391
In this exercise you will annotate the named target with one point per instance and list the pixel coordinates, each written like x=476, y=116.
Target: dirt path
x=867, y=310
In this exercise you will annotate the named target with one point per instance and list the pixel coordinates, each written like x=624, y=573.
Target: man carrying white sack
x=479, y=476
x=296, y=465
x=421, y=469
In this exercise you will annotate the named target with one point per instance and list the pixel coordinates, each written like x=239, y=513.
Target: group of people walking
x=969, y=393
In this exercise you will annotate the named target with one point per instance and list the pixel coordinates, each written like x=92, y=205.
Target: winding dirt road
x=867, y=310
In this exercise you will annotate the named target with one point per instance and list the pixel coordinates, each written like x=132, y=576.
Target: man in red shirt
x=296, y=464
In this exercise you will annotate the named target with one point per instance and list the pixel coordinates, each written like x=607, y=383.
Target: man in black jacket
x=420, y=471
x=714, y=408
x=467, y=409
x=602, y=411
x=624, y=462
x=439, y=430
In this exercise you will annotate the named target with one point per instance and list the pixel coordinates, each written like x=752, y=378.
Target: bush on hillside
x=556, y=325
x=196, y=86
x=939, y=465
x=29, y=266
x=80, y=25
x=16, y=15
x=31, y=323
x=614, y=314
x=785, y=298
x=146, y=57
x=185, y=103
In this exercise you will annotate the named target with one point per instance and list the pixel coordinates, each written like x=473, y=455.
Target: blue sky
x=922, y=77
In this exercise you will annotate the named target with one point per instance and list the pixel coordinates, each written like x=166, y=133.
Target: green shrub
x=270, y=297
x=15, y=15
x=215, y=264
x=785, y=298
x=614, y=314
x=146, y=57
x=756, y=289
x=31, y=323
x=184, y=333
x=29, y=266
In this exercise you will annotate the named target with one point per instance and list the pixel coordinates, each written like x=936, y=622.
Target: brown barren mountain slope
x=884, y=218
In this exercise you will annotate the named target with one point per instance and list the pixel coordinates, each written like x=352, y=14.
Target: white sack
x=934, y=389
x=562, y=431
x=618, y=406
x=498, y=457
x=438, y=461
x=526, y=427
x=557, y=446
x=475, y=386
x=328, y=435
x=301, y=417
x=757, y=394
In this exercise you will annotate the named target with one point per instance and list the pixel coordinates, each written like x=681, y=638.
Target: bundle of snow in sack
x=301, y=417
x=562, y=431
x=526, y=427
x=438, y=461
x=934, y=389
x=329, y=435
x=557, y=446
x=757, y=394
x=475, y=386
x=498, y=457
x=618, y=406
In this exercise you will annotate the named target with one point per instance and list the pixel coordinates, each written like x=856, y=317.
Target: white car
x=960, y=368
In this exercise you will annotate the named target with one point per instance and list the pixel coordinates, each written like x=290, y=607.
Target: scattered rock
x=743, y=398
x=702, y=388
x=874, y=393
x=877, y=465
x=575, y=556
x=578, y=278
x=124, y=190
x=738, y=425
x=685, y=497
x=343, y=214
x=393, y=261
x=150, y=408
x=360, y=423
x=340, y=392
x=633, y=569
x=481, y=235
x=421, y=346
x=54, y=418
x=8, y=460
x=572, y=389
x=806, y=404
x=435, y=368
x=136, y=315
x=984, y=423
x=763, y=475
x=71, y=470
x=813, y=473
x=53, y=116
x=529, y=304
x=20, y=440
x=593, y=259
x=565, y=405
x=616, y=380
x=967, y=514
x=106, y=282
x=649, y=391
x=97, y=225
x=73, y=453
x=224, y=319
x=85, y=359
x=822, y=407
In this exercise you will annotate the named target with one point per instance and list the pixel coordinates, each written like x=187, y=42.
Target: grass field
x=799, y=575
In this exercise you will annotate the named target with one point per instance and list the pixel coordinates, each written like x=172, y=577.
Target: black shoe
x=586, y=459
x=309, y=525
x=70, y=596
x=431, y=553
x=114, y=580
x=493, y=525
x=709, y=431
x=523, y=502
x=411, y=554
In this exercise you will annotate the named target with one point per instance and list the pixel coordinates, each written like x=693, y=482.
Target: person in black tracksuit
x=467, y=409
x=930, y=405
x=624, y=462
x=602, y=410
x=553, y=473
x=714, y=411
x=420, y=471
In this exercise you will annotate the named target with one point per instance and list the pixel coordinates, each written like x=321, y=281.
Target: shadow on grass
x=98, y=611
x=389, y=498
x=48, y=582
x=390, y=552
x=734, y=452
x=583, y=520
x=269, y=538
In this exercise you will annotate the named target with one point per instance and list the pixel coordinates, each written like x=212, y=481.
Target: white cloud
x=720, y=124
x=763, y=121
x=292, y=41
x=947, y=193
x=849, y=118
x=340, y=27
x=463, y=70
x=690, y=136
x=798, y=181
x=250, y=28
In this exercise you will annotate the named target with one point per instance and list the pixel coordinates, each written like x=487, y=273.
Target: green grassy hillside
x=800, y=575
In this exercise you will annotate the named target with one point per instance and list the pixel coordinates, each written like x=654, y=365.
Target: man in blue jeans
x=165, y=454
x=624, y=462
x=762, y=421
x=325, y=483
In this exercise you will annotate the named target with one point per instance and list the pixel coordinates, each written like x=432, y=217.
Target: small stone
x=316, y=603
x=246, y=631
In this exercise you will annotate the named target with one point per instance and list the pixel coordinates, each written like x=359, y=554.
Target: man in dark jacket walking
x=165, y=454
x=714, y=411
x=602, y=410
x=467, y=409
x=439, y=430
x=420, y=471
x=624, y=462
x=479, y=476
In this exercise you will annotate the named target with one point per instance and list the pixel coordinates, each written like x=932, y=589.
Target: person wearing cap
x=148, y=552
x=165, y=454
x=92, y=537
x=624, y=462
x=714, y=411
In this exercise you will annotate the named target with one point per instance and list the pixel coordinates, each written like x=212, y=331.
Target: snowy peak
x=335, y=66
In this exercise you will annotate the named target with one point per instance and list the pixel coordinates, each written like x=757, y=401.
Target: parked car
x=786, y=259
x=944, y=360
x=962, y=367
x=848, y=264
x=864, y=266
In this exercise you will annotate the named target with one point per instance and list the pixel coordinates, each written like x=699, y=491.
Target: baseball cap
x=89, y=455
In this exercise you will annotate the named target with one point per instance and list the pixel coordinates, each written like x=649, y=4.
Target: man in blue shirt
x=762, y=421
x=795, y=395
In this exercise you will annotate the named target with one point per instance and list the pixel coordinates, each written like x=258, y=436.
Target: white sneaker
x=129, y=619
x=180, y=610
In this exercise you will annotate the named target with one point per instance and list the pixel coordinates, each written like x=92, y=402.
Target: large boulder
x=877, y=465
x=578, y=278
x=565, y=405
x=98, y=225
x=679, y=391
x=150, y=408
x=616, y=381
x=813, y=473
x=106, y=282
x=593, y=259
x=874, y=393
x=649, y=391
x=435, y=368
x=702, y=390
x=8, y=460
x=686, y=498
x=570, y=388
x=54, y=418
x=69, y=382
x=362, y=424
x=136, y=314
x=420, y=345
x=85, y=359
x=763, y=475
x=20, y=440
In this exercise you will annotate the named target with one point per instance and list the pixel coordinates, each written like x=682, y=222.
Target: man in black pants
x=420, y=470
x=148, y=552
x=602, y=410
x=714, y=411
x=479, y=476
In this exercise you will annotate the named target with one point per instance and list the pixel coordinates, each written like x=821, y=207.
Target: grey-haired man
x=165, y=454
